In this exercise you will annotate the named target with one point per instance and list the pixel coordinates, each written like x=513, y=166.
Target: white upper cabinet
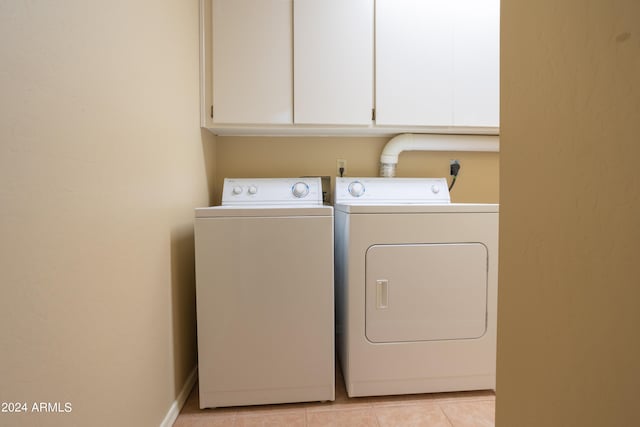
x=414, y=62
x=476, y=49
x=333, y=61
x=252, y=62
x=437, y=63
x=319, y=67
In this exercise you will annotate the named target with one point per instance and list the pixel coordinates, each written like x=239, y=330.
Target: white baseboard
x=177, y=404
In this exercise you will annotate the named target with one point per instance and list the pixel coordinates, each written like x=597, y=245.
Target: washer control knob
x=236, y=190
x=252, y=189
x=356, y=189
x=435, y=188
x=300, y=189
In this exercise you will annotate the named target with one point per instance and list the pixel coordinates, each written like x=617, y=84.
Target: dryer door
x=424, y=292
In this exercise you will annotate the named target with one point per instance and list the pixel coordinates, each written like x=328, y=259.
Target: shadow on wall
x=209, y=154
x=183, y=280
x=183, y=297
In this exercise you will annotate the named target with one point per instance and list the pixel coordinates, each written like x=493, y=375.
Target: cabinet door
x=414, y=62
x=252, y=63
x=476, y=63
x=437, y=62
x=333, y=61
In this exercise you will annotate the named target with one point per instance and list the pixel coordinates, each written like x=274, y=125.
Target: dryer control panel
x=271, y=191
x=380, y=191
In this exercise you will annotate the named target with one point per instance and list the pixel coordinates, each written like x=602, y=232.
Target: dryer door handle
x=382, y=294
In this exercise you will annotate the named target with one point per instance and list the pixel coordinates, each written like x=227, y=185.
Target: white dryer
x=416, y=287
x=264, y=294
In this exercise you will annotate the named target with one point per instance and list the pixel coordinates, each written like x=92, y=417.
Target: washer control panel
x=271, y=191
x=375, y=191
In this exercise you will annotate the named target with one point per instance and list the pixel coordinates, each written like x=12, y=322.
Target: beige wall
x=101, y=163
x=288, y=156
x=568, y=338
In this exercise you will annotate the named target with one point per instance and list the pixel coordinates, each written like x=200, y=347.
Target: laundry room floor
x=460, y=409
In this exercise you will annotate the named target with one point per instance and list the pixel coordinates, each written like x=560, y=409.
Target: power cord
x=454, y=169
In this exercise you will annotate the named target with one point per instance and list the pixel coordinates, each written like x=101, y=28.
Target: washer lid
x=379, y=191
x=270, y=211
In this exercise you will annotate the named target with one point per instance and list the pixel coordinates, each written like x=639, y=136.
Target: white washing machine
x=264, y=293
x=416, y=287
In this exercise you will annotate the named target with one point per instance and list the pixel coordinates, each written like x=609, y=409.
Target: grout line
x=375, y=414
x=446, y=416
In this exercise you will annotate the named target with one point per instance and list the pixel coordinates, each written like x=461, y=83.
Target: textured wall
x=101, y=164
x=568, y=340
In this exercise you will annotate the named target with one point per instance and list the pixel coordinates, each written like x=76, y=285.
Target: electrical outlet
x=454, y=167
x=341, y=167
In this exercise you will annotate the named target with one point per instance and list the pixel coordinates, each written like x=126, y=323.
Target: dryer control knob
x=236, y=190
x=435, y=189
x=252, y=189
x=300, y=189
x=356, y=189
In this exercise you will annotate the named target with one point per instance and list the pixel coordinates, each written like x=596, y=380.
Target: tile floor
x=461, y=409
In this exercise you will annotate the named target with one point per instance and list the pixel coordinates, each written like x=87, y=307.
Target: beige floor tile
x=360, y=417
x=423, y=415
x=350, y=412
x=284, y=419
x=470, y=414
x=205, y=421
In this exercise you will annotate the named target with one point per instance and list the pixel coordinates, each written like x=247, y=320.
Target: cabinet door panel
x=476, y=63
x=333, y=61
x=414, y=62
x=252, y=61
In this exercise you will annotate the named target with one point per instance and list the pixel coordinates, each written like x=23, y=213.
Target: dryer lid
x=398, y=208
